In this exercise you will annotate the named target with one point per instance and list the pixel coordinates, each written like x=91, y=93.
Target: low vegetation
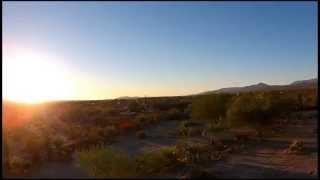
x=82, y=125
x=211, y=107
x=106, y=162
x=155, y=162
x=258, y=109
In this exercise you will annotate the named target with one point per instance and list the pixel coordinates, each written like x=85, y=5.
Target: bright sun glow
x=33, y=77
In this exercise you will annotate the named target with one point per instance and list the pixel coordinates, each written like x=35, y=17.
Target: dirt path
x=156, y=137
x=267, y=159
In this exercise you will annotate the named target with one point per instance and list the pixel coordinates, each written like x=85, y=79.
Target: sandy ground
x=267, y=159
x=259, y=160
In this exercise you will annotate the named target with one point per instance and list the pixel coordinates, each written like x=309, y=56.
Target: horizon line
x=144, y=96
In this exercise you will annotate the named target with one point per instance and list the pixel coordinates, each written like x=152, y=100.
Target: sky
x=112, y=49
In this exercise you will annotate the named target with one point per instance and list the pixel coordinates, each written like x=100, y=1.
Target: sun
x=34, y=77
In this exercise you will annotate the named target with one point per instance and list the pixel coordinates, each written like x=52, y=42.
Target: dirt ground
x=265, y=159
x=268, y=160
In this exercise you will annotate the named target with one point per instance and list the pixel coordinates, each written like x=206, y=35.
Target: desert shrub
x=281, y=105
x=182, y=105
x=6, y=150
x=111, y=112
x=174, y=114
x=210, y=107
x=141, y=134
x=188, y=123
x=183, y=129
x=143, y=119
x=193, y=154
x=247, y=110
x=75, y=113
x=19, y=134
x=216, y=127
x=187, y=111
x=58, y=142
x=104, y=162
x=258, y=109
x=134, y=106
x=162, y=105
x=18, y=163
x=75, y=131
x=159, y=116
x=146, y=119
x=94, y=134
x=56, y=149
x=110, y=131
x=158, y=161
x=187, y=128
x=34, y=146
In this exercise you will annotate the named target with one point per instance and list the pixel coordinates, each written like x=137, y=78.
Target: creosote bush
x=106, y=163
x=135, y=106
x=258, y=109
x=210, y=107
x=157, y=161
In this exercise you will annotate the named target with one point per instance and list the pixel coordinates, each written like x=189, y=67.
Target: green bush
x=183, y=129
x=192, y=154
x=258, y=109
x=162, y=105
x=247, y=110
x=158, y=161
x=104, y=162
x=142, y=119
x=187, y=128
x=217, y=127
x=134, y=106
x=174, y=114
x=210, y=107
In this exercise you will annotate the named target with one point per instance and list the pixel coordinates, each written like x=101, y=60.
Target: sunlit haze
x=101, y=50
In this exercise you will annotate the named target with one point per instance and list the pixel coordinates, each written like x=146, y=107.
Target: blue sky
x=169, y=48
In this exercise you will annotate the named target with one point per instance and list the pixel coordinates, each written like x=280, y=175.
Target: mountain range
x=303, y=84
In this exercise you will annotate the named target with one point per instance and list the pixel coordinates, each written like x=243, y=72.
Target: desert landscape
x=176, y=137
x=181, y=90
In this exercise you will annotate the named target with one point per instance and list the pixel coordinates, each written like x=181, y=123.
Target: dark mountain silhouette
x=128, y=97
x=303, y=84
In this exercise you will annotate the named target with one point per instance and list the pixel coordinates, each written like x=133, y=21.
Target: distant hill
x=310, y=82
x=304, y=84
x=127, y=97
